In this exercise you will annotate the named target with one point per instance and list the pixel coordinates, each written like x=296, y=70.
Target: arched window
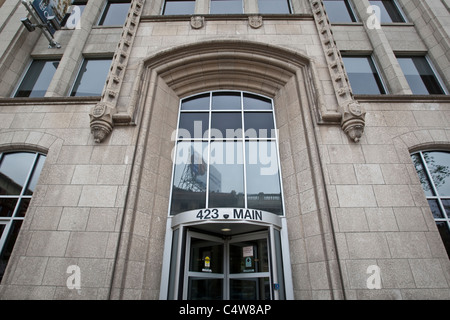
x=226, y=154
x=433, y=168
x=19, y=173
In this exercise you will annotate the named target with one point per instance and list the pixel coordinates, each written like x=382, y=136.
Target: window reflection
x=263, y=181
x=232, y=169
x=19, y=173
x=433, y=169
x=226, y=176
x=189, y=183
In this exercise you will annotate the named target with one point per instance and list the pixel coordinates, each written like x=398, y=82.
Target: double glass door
x=236, y=268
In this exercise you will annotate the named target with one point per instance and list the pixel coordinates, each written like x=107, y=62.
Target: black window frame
x=19, y=92
x=377, y=77
x=104, y=15
x=435, y=87
x=351, y=13
x=80, y=75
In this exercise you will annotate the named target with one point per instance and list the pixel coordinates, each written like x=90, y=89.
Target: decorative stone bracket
x=101, y=115
x=352, y=114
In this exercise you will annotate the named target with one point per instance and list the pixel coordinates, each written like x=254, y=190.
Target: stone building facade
x=92, y=216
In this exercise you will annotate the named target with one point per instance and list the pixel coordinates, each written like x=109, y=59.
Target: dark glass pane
x=206, y=256
x=226, y=175
x=363, y=76
x=263, y=181
x=273, y=6
x=445, y=235
x=7, y=206
x=226, y=125
x=226, y=101
x=254, y=102
x=189, y=182
x=435, y=209
x=115, y=14
x=250, y=289
x=193, y=125
x=35, y=176
x=423, y=177
x=14, y=171
x=205, y=289
x=388, y=11
x=2, y=228
x=339, y=11
x=92, y=77
x=446, y=204
x=259, y=125
x=173, y=7
x=200, y=102
x=419, y=75
x=5, y=254
x=37, y=79
x=23, y=207
x=226, y=6
x=249, y=256
x=438, y=165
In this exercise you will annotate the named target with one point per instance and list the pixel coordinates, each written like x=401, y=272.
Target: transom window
x=433, y=168
x=19, y=173
x=226, y=153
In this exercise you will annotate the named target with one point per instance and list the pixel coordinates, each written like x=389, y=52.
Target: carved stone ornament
x=197, y=22
x=353, y=120
x=101, y=121
x=255, y=21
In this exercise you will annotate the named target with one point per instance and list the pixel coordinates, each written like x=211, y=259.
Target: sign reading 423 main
x=226, y=213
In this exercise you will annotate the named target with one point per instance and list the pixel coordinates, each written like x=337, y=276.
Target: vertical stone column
x=386, y=58
x=73, y=54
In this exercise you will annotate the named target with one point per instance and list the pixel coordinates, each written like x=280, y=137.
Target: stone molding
x=101, y=115
x=353, y=115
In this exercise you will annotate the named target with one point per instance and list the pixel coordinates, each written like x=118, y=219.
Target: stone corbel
x=101, y=117
x=353, y=120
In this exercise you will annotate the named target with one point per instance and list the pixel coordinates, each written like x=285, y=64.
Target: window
x=37, y=78
x=115, y=13
x=363, y=75
x=226, y=6
x=389, y=11
x=433, y=168
x=339, y=11
x=172, y=7
x=274, y=6
x=420, y=75
x=226, y=154
x=19, y=173
x=91, y=78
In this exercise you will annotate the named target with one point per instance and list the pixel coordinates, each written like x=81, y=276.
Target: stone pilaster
x=353, y=115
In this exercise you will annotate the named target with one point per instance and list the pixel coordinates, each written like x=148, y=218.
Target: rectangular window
x=389, y=11
x=274, y=6
x=115, y=13
x=91, y=78
x=226, y=7
x=339, y=11
x=363, y=75
x=37, y=78
x=174, y=7
x=420, y=75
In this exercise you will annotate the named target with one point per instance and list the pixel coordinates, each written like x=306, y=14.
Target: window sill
x=402, y=98
x=49, y=100
x=243, y=16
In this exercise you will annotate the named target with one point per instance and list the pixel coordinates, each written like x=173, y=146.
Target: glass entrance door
x=236, y=268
